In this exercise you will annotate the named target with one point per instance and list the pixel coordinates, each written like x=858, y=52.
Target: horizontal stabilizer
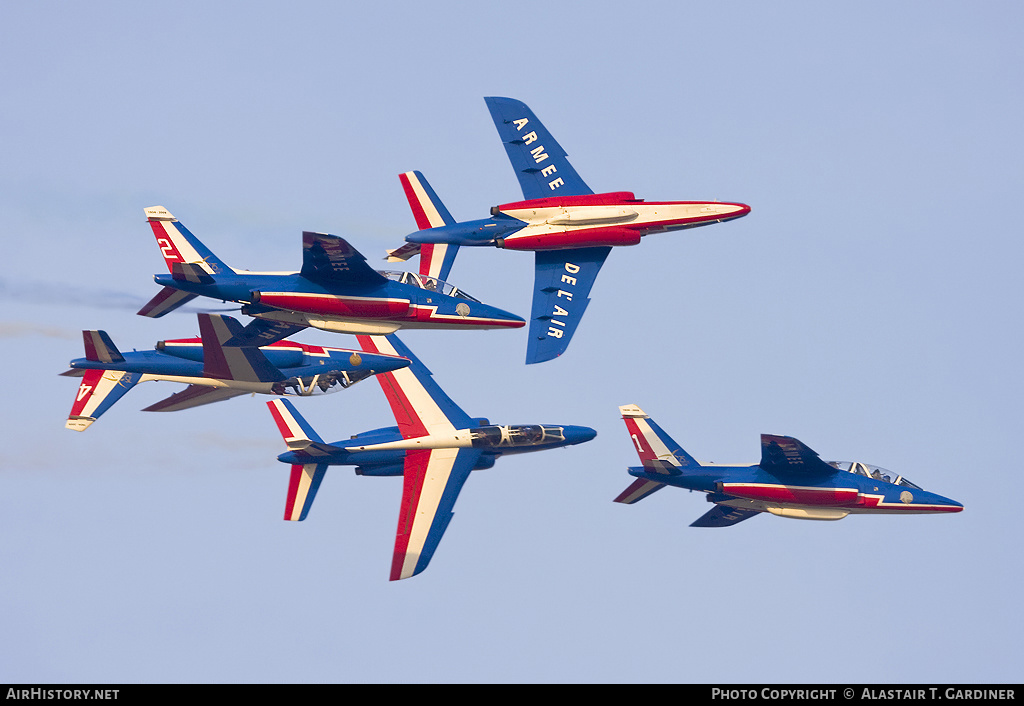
x=302, y=486
x=638, y=490
x=723, y=516
x=297, y=433
x=166, y=301
x=539, y=161
x=403, y=253
x=98, y=391
x=436, y=259
x=562, y=283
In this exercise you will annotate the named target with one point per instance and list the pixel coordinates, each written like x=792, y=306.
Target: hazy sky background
x=869, y=305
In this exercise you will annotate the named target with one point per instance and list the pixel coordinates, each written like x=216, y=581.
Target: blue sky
x=869, y=305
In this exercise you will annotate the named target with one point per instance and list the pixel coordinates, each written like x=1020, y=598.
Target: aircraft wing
x=562, y=283
x=539, y=161
x=786, y=455
x=723, y=516
x=432, y=481
x=194, y=396
x=419, y=404
x=432, y=477
x=99, y=390
x=328, y=257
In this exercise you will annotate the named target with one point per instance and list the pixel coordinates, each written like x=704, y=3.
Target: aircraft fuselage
x=826, y=497
x=370, y=309
x=382, y=451
x=592, y=220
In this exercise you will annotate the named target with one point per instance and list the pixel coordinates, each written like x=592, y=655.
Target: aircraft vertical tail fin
x=658, y=452
x=436, y=259
x=179, y=246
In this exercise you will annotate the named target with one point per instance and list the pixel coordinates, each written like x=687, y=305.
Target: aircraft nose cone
x=742, y=209
x=578, y=435
x=383, y=363
x=499, y=317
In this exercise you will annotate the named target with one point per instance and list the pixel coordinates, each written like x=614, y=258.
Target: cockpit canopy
x=431, y=284
x=876, y=472
x=494, y=436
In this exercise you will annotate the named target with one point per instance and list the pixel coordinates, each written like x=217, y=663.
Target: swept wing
x=432, y=478
x=540, y=163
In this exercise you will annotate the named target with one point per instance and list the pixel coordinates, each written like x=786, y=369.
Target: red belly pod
x=576, y=238
x=331, y=305
x=793, y=494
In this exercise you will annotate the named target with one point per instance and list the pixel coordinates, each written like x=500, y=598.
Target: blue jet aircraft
x=434, y=447
x=211, y=371
x=335, y=290
x=790, y=481
x=570, y=228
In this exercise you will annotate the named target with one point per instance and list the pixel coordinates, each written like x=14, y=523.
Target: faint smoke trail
x=64, y=295
x=17, y=329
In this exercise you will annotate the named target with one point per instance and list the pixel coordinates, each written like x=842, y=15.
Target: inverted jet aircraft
x=790, y=481
x=211, y=371
x=335, y=290
x=434, y=446
x=571, y=228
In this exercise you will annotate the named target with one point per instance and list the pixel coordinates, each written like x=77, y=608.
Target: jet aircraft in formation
x=335, y=290
x=790, y=481
x=434, y=446
x=212, y=371
x=569, y=227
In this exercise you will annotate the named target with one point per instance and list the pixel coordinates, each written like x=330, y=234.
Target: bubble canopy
x=876, y=472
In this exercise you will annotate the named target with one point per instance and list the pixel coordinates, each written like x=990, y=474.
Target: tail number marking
x=167, y=248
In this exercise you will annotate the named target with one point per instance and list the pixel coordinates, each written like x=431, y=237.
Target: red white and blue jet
x=335, y=290
x=434, y=446
x=790, y=481
x=212, y=371
x=570, y=228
